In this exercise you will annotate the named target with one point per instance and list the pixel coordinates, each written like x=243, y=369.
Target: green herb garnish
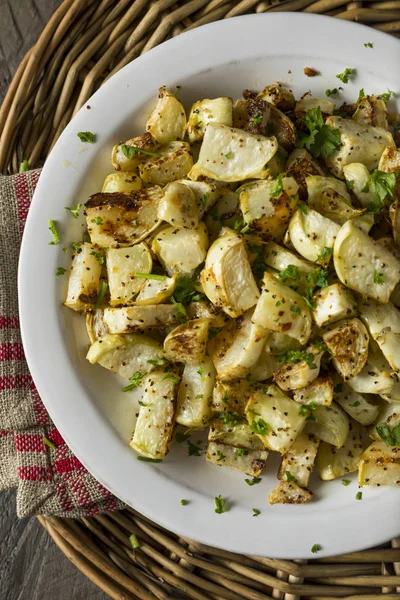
x=135, y=381
x=291, y=272
x=359, y=496
x=346, y=482
x=56, y=235
x=368, y=45
x=220, y=455
x=157, y=362
x=290, y=477
x=74, y=211
x=194, y=448
x=316, y=548
x=297, y=356
x=257, y=119
x=325, y=254
x=99, y=256
x=382, y=187
x=60, y=271
x=175, y=380
x=256, y=512
x=148, y=459
x=241, y=452
x=344, y=77
x=277, y=188
x=86, y=136
x=150, y=276
x=331, y=92
x=132, y=151
x=184, y=502
x=322, y=140
x=295, y=309
x=48, y=443
x=229, y=155
x=23, y=167
x=391, y=436
x=101, y=294
x=387, y=95
x=259, y=427
x=230, y=418
x=361, y=95
x=378, y=279
x=253, y=481
x=220, y=506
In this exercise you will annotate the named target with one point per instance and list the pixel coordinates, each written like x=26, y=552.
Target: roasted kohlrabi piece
x=126, y=354
x=330, y=424
x=364, y=265
x=194, y=408
x=268, y=205
x=173, y=161
x=359, y=143
x=123, y=182
x=155, y=424
x=283, y=310
x=125, y=267
x=333, y=303
x=84, y=279
x=298, y=461
x=380, y=465
x=181, y=250
x=167, y=122
x=311, y=234
x=116, y=219
x=229, y=154
x=187, y=342
x=348, y=341
x=335, y=462
x=237, y=347
x=227, y=278
x=217, y=110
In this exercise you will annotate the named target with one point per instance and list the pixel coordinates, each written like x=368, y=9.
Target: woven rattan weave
x=84, y=44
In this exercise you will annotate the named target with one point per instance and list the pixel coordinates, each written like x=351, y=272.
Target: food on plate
x=253, y=291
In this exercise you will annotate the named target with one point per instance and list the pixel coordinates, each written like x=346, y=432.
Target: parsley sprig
x=322, y=140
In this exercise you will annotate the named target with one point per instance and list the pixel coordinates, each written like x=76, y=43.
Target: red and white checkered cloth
x=49, y=481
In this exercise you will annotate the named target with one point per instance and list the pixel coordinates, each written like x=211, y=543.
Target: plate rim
x=178, y=522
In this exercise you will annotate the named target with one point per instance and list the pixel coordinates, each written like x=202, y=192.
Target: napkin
x=34, y=458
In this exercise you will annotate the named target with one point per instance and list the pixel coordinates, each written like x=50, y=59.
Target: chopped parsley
x=297, y=356
x=48, y=443
x=86, y=136
x=290, y=477
x=387, y=95
x=220, y=506
x=184, y=502
x=355, y=404
x=322, y=140
x=199, y=396
x=253, y=481
x=134, y=222
x=277, y=189
x=134, y=541
x=97, y=221
x=257, y=119
x=295, y=309
x=350, y=183
x=194, y=448
x=306, y=410
x=256, y=512
x=141, y=403
x=259, y=427
x=157, y=362
x=150, y=276
x=378, y=279
x=230, y=419
x=99, y=256
x=74, y=211
x=318, y=278
x=220, y=455
x=391, y=436
x=291, y=272
x=200, y=371
x=204, y=199
x=331, y=92
x=325, y=254
x=338, y=388
x=346, y=482
x=316, y=548
x=303, y=207
x=361, y=95
x=382, y=187
x=135, y=381
x=182, y=314
x=148, y=459
x=229, y=155
x=101, y=293
x=23, y=167
x=181, y=437
x=56, y=235
x=75, y=246
x=344, y=77
x=132, y=151
x=368, y=45
x=175, y=380
x=60, y=271
x=359, y=496
x=241, y=452
x=185, y=290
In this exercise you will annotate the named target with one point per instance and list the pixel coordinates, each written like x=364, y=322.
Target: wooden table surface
x=31, y=565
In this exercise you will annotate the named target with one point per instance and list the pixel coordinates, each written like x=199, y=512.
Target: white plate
x=86, y=402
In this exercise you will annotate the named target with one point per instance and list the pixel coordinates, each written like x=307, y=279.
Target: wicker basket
x=84, y=44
